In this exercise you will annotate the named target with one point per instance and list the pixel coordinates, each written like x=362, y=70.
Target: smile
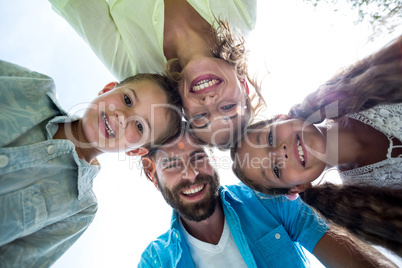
x=107, y=125
x=300, y=151
x=194, y=190
x=205, y=83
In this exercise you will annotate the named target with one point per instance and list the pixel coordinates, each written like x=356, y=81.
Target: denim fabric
x=46, y=198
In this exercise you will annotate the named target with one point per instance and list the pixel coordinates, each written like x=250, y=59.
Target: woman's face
x=283, y=154
x=213, y=99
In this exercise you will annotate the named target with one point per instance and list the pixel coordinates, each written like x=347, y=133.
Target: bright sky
x=301, y=47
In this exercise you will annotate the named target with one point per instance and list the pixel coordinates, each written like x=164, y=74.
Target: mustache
x=200, y=179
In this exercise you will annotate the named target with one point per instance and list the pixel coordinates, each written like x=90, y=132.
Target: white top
x=127, y=35
x=388, y=120
x=224, y=254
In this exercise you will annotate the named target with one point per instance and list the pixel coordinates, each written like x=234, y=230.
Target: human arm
x=334, y=247
x=338, y=248
x=143, y=263
x=92, y=21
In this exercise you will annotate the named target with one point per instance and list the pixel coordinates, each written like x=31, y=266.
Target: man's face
x=186, y=179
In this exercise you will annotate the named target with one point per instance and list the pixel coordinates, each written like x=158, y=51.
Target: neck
x=342, y=144
x=73, y=132
x=209, y=230
x=186, y=34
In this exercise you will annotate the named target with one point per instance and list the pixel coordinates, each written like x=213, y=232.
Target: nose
x=280, y=151
x=209, y=98
x=190, y=173
x=121, y=118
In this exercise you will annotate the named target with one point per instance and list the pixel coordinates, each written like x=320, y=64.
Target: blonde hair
x=231, y=48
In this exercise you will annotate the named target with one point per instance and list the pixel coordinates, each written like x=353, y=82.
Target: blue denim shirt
x=268, y=230
x=46, y=198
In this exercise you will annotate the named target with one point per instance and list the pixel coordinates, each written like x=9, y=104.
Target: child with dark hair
x=48, y=157
x=197, y=38
x=363, y=140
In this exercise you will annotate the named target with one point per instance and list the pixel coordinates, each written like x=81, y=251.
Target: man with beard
x=232, y=226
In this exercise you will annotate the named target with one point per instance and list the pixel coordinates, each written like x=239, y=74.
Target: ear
x=138, y=152
x=149, y=169
x=299, y=188
x=282, y=117
x=244, y=83
x=108, y=87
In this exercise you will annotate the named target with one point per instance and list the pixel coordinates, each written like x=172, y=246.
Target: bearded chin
x=198, y=211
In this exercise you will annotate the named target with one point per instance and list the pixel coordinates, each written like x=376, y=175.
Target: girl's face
x=126, y=117
x=283, y=154
x=213, y=99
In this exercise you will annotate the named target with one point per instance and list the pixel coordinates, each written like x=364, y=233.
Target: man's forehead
x=182, y=147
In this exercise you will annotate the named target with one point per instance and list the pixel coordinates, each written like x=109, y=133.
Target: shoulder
x=160, y=247
x=242, y=198
x=242, y=192
x=16, y=79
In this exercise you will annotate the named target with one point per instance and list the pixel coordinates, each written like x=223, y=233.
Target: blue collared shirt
x=268, y=230
x=46, y=198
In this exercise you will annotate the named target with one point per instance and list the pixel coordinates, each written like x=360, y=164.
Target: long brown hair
x=373, y=214
x=369, y=82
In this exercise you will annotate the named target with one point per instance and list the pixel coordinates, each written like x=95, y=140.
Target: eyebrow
x=259, y=137
x=264, y=174
x=136, y=100
x=208, y=123
x=197, y=152
x=175, y=158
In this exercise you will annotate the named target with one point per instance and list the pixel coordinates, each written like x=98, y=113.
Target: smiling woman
x=214, y=100
x=298, y=44
x=212, y=61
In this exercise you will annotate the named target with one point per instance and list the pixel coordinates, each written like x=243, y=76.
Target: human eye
x=270, y=139
x=199, y=157
x=172, y=165
x=276, y=170
x=199, y=116
x=139, y=126
x=228, y=107
x=127, y=100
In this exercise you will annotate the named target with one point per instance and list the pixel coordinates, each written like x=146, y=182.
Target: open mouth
x=193, y=191
x=205, y=83
x=107, y=125
x=300, y=151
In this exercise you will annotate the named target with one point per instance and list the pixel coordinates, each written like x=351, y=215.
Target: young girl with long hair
x=362, y=140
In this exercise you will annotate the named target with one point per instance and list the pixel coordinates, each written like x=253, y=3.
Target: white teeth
x=107, y=125
x=300, y=149
x=204, y=84
x=194, y=190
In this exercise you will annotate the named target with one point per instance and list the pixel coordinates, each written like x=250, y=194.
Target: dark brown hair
x=369, y=82
x=371, y=213
x=374, y=214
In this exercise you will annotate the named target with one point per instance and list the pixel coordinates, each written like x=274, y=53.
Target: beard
x=197, y=211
